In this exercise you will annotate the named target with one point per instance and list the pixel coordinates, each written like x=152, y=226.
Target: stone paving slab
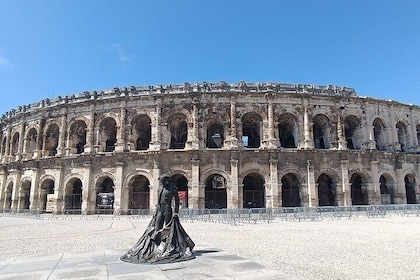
x=209, y=263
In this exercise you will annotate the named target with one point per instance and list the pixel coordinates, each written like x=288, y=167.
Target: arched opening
x=287, y=131
x=290, y=191
x=379, y=134
x=251, y=133
x=105, y=195
x=15, y=143
x=108, y=134
x=139, y=193
x=142, y=132
x=215, y=192
x=179, y=131
x=326, y=191
x=359, y=195
x=3, y=146
x=387, y=191
x=321, y=128
x=418, y=134
x=402, y=136
x=25, y=195
x=51, y=139
x=215, y=135
x=410, y=188
x=8, y=197
x=182, y=184
x=47, y=192
x=353, y=133
x=73, y=203
x=77, y=137
x=31, y=138
x=253, y=191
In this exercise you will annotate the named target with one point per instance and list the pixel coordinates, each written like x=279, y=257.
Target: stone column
x=232, y=140
x=345, y=183
x=90, y=142
x=21, y=140
x=197, y=199
x=413, y=141
x=38, y=141
x=375, y=194
x=7, y=148
x=342, y=144
x=234, y=202
x=88, y=191
x=272, y=142
x=156, y=131
x=312, y=195
x=62, y=133
x=400, y=193
x=156, y=172
x=34, y=198
x=394, y=144
x=121, y=141
x=307, y=141
x=118, y=186
x=193, y=128
x=274, y=185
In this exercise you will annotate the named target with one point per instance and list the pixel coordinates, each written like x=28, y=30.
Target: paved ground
x=21, y=259
x=89, y=248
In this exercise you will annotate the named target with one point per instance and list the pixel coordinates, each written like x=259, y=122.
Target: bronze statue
x=164, y=240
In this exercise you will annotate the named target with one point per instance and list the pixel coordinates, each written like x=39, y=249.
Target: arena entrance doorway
x=215, y=192
x=182, y=183
x=105, y=196
x=253, y=191
x=139, y=194
x=74, y=197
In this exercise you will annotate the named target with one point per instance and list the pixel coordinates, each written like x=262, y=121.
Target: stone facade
x=226, y=146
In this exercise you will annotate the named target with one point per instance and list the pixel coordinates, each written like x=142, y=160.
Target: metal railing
x=237, y=216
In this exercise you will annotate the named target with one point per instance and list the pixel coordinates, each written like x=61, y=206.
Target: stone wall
x=226, y=146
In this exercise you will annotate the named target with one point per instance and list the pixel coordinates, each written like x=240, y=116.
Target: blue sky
x=53, y=48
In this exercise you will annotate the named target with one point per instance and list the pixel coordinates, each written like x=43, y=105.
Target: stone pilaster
x=312, y=194
x=345, y=185
x=274, y=185
x=235, y=200
x=308, y=142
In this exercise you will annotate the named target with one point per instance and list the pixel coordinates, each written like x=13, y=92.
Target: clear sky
x=53, y=48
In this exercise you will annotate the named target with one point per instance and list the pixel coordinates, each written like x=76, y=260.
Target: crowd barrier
x=238, y=216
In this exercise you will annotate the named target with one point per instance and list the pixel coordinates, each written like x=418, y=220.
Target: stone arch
x=290, y=190
x=410, y=188
x=178, y=129
x=215, y=191
x=8, y=195
x=107, y=132
x=3, y=145
x=51, y=138
x=138, y=192
x=77, y=135
x=15, y=143
x=386, y=186
x=46, y=187
x=359, y=189
x=418, y=133
x=104, y=186
x=73, y=193
x=353, y=132
x=252, y=130
x=31, y=140
x=25, y=193
x=321, y=131
x=327, y=190
x=253, y=191
x=402, y=132
x=288, y=130
x=141, y=131
x=379, y=134
x=215, y=134
x=206, y=174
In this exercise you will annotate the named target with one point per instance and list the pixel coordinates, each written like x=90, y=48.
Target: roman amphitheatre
x=226, y=145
